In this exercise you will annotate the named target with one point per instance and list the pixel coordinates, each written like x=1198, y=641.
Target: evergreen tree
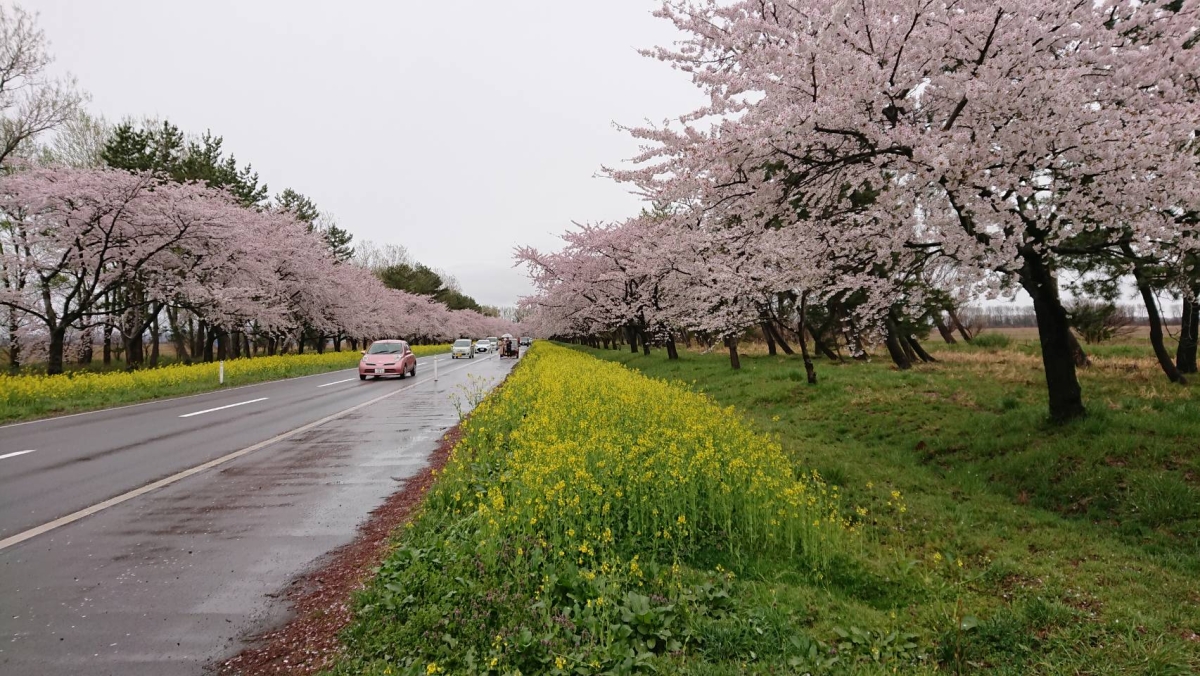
x=162, y=149
x=299, y=206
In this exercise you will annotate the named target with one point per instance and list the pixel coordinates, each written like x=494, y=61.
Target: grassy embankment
x=985, y=540
x=30, y=396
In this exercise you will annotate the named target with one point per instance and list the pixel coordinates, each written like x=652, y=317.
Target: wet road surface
x=167, y=581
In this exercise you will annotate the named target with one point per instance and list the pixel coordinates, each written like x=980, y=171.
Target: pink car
x=387, y=358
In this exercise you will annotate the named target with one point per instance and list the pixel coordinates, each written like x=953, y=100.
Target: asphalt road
x=165, y=581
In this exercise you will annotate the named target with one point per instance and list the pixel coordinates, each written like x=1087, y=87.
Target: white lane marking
x=167, y=400
x=112, y=502
x=13, y=455
x=222, y=408
x=335, y=383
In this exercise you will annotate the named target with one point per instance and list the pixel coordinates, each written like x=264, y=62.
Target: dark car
x=387, y=358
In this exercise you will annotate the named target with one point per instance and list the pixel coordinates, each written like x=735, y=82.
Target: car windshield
x=462, y=343
x=386, y=348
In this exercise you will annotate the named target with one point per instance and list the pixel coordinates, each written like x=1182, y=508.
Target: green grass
x=1079, y=545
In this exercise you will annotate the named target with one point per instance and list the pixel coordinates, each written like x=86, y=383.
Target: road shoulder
x=319, y=601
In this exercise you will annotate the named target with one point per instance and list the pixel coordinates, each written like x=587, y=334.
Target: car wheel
x=361, y=377
x=402, y=374
x=413, y=372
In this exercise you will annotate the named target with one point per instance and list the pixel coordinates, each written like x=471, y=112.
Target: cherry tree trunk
x=645, y=344
x=106, y=350
x=954, y=321
x=1156, y=329
x=631, y=335
x=86, y=337
x=907, y=347
x=894, y=348
x=916, y=347
x=177, y=338
x=208, y=344
x=783, y=344
x=809, y=369
x=947, y=334
x=1082, y=360
x=135, y=353
x=734, y=360
x=1054, y=330
x=200, y=345
x=672, y=352
x=54, y=356
x=155, y=336
x=766, y=329
x=14, y=341
x=1185, y=354
x=822, y=346
x=235, y=345
x=132, y=330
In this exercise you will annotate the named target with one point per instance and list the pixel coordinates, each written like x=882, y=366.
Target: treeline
x=128, y=235
x=1023, y=316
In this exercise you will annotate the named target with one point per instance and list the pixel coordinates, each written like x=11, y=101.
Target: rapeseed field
x=578, y=528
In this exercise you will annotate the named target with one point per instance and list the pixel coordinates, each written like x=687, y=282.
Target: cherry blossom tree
x=31, y=103
x=994, y=136
x=99, y=243
x=78, y=237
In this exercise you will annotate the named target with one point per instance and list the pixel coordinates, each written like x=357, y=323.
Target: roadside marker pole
x=221, y=373
x=435, y=369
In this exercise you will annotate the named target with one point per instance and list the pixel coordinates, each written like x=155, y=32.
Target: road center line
x=13, y=455
x=222, y=408
x=112, y=502
x=335, y=382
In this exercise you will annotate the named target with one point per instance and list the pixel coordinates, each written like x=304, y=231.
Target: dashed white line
x=335, y=383
x=101, y=506
x=13, y=455
x=222, y=408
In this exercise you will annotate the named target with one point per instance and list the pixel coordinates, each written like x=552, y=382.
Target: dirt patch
x=320, y=600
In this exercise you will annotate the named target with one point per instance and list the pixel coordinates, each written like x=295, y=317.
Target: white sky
x=459, y=130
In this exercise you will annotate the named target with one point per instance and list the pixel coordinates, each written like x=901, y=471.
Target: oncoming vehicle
x=482, y=345
x=462, y=348
x=387, y=358
x=526, y=341
x=494, y=343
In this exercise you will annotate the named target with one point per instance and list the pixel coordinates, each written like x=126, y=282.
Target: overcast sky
x=459, y=130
